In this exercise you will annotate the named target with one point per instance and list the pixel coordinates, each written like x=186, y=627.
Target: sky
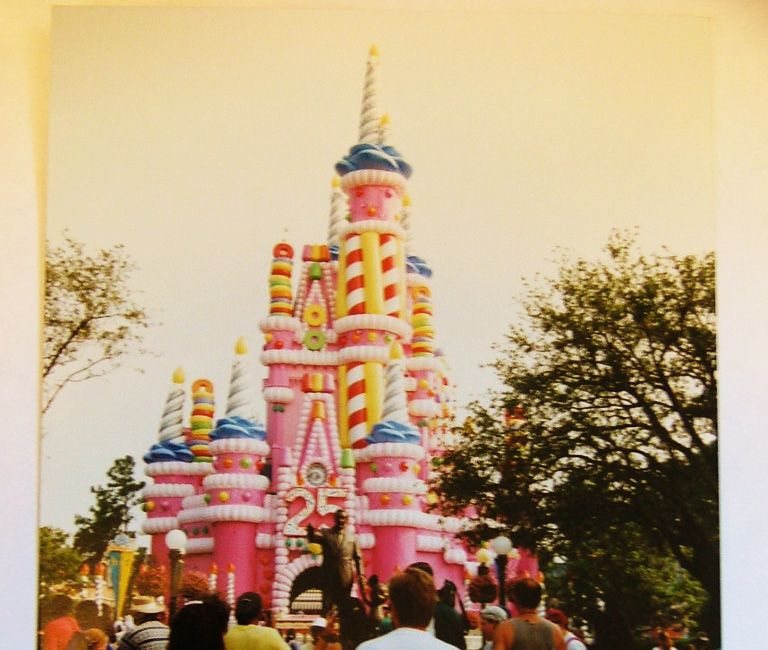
x=200, y=138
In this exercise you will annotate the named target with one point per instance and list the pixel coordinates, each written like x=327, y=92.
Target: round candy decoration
x=282, y=250
x=407, y=499
x=227, y=462
x=404, y=466
x=384, y=499
x=314, y=315
x=149, y=506
x=207, y=498
x=314, y=340
x=223, y=496
x=245, y=463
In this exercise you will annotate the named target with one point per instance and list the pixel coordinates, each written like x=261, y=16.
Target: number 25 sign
x=311, y=504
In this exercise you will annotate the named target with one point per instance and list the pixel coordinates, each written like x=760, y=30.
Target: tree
x=615, y=365
x=111, y=513
x=90, y=319
x=59, y=562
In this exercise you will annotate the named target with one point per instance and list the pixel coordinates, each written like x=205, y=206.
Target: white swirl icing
x=278, y=394
x=299, y=357
x=373, y=225
x=384, y=484
x=423, y=407
x=238, y=481
x=395, y=450
x=200, y=545
x=429, y=543
x=265, y=540
x=157, y=525
x=455, y=555
x=239, y=446
x=239, y=398
x=373, y=322
x=169, y=468
x=279, y=323
x=167, y=490
x=394, y=408
x=235, y=512
x=171, y=421
x=364, y=353
x=373, y=177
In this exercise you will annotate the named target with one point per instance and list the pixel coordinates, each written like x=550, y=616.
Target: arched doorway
x=306, y=593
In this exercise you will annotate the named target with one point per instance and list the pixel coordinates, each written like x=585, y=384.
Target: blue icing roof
x=391, y=431
x=168, y=451
x=237, y=427
x=373, y=156
x=415, y=264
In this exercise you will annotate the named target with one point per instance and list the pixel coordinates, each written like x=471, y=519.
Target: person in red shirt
x=59, y=631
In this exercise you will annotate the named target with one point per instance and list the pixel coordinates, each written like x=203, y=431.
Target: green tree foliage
x=90, y=319
x=112, y=512
x=59, y=562
x=615, y=365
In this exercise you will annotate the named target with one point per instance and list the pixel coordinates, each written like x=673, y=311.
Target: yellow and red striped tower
x=371, y=297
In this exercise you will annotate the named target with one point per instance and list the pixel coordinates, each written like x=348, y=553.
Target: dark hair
x=200, y=626
x=61, y=605
x=525, y=592
x=87, y=613
x=247, y=607
x=422, y=566
x=413, y=597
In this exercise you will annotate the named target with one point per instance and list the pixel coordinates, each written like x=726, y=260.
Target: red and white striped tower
x=371, y=307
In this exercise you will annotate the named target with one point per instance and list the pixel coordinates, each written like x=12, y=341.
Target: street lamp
x=501, y=546
x=176, y=541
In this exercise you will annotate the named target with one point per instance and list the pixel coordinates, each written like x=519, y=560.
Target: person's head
x=557, y=617
x=148, y=610
x=423, y=566
x=413, y=597
x=525, y=593
x=96, y=639
x=318, y=626
x=490, y=618
x=61, y=605
x=447, y=593
x=248, y=608
x=87, y=613
x=200, y=625
x=340, y=518
x=664, y=641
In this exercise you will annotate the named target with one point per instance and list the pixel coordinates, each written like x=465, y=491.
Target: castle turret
x=371, y=306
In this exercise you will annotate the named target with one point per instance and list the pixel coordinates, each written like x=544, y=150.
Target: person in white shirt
x=413, y=597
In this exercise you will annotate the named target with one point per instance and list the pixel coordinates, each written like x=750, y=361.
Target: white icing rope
x=171, y=421
x=394, y=408
x=338, y=213
x=239, y=398
x=178, y=468
x=370, y=114
x=299, y=357
x=279, y=323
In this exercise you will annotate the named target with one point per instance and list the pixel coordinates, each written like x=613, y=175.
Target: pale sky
x=199, y=138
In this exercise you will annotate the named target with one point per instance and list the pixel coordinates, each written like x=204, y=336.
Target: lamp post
x=176, y=541
x=501, y=546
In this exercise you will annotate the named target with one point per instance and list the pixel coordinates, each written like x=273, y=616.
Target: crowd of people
x=411, y=612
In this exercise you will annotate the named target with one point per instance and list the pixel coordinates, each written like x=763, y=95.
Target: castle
x=358, y=402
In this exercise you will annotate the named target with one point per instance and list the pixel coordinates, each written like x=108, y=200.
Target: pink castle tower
x=359, y=400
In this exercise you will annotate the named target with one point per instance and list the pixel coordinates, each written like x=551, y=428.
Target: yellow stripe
x=343, y=408
x=401, y=288
x=341, y=282
x=374, y=392
x=372, y=289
